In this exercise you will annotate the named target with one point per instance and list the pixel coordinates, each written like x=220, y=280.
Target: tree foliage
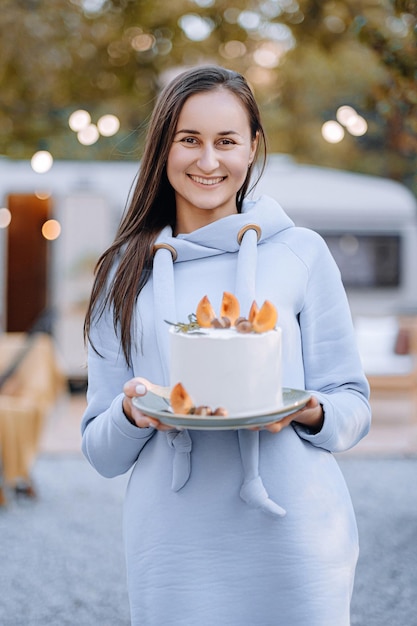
x=303, y=58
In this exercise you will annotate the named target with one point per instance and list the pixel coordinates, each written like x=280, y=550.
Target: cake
x=229, y=364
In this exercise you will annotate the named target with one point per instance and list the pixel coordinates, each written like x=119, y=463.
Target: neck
x=187, y=222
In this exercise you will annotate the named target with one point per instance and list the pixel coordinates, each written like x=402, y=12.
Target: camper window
x=367, y=260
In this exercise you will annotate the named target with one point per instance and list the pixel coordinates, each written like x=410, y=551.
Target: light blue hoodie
x=204, y=543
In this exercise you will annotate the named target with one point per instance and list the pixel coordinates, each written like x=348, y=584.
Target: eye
x=226, y=142
x=189, y=140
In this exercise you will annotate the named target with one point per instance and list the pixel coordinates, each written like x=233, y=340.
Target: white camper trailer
x=370, y=225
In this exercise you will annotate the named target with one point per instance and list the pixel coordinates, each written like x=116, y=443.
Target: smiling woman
x=209, y=158
x=206, y=541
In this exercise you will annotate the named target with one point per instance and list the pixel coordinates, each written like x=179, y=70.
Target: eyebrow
x=196, y=132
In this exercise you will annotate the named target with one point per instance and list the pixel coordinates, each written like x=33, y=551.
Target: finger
x=312, y=403
x=276, y=427
x=158, y=425
x=134, y=387
x=144, y=421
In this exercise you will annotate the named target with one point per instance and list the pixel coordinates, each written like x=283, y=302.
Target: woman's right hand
x=132, y=389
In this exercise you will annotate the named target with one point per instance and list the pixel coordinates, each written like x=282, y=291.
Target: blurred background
x=306, y=60
x=336, y=82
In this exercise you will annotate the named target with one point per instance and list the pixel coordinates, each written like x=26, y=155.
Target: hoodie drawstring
x=252, y=491
x=164, y=304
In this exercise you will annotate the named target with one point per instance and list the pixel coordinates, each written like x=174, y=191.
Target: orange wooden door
x=27, y=261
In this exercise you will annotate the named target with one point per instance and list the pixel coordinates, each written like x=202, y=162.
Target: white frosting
x=240, y=372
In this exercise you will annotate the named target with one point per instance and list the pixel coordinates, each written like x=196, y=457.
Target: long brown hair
x=152, y=205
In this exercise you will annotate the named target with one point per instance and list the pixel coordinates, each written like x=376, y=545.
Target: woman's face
x=209, y=158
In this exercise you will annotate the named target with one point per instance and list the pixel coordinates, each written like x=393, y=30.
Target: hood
x=222, y=235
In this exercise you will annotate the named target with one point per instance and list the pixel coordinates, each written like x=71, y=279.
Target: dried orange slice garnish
x=230, y=307
x=180, y=400
x=266, y=318
x=253, y=311
x=205, y=313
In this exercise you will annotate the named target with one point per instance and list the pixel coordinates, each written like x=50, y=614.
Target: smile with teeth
x=207, y=181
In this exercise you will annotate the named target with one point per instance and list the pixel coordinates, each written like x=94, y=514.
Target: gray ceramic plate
x=155, y=406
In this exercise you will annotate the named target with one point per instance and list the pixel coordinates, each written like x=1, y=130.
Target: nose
x=207, y=160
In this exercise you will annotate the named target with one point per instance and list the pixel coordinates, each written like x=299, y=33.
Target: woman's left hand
x=311, y=416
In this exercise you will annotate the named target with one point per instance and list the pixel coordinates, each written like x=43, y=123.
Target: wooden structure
x=400, y=387
x=30, y=384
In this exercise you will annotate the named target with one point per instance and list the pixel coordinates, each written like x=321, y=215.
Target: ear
x=254, y=147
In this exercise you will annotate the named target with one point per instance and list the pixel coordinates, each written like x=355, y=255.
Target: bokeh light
x=92, y=6
x=196, y=28
x=353, y=122
x=346, y=115
x=231, y=15
x=88, y=135
x=51, y=229
x=233, y=49
x=334, y=24
x=269, y=54
x=249, y=20
x=79, y=119
x=143, y=42
x=332, y=131
x=42, y=195
x=358, y=126
x=108, y=125
x=5, y=217
x=41, y=161
x=205, y=3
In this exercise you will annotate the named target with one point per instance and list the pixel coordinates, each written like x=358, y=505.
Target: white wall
x=87, y=230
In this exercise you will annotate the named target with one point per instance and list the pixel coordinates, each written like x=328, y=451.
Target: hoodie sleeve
x=333, y=369
x=109, y=441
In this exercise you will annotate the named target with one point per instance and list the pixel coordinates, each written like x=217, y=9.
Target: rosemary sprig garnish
x=191, y=327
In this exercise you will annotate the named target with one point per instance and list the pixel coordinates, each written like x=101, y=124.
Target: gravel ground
x=65, y=564
x=62, y=555
x=384, y=494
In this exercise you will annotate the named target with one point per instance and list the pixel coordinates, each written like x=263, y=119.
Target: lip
x=206, y=182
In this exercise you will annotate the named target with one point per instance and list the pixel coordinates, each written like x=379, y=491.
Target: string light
x=5, y=218
x=332, y=132
x=51, y=229
x=41, y=161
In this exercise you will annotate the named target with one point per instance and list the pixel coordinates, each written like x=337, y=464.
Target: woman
x=199, y=550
